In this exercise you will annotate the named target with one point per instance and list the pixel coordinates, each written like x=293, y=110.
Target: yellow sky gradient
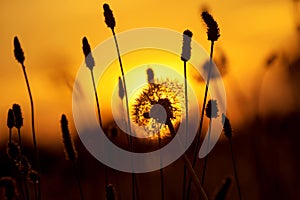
x=50, y=33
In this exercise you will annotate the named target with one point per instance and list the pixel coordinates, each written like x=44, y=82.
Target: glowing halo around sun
x=94, y=138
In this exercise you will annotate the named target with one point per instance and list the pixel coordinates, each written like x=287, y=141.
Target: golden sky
x=50, y=33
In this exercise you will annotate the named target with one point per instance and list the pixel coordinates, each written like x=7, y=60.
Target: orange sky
x=50, y=33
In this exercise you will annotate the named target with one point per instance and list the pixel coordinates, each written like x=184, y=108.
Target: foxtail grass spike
x=109, y=17
x=89, y=59
x=186, y=46
x=150, y=75
x=10, y=119
x=223, y=191
x=13, y=151
x=70, y=151
x=18, y=116
x=213, y=31
x=211, y=110
x=121, y=88
x=226, y=126
x=19, y=54
x=10, y=188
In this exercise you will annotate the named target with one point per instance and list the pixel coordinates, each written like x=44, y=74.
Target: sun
x=155, y=103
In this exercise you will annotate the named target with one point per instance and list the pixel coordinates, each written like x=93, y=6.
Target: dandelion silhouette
x=156, y=103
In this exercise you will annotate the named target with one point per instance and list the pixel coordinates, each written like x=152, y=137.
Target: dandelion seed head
x=156, y=103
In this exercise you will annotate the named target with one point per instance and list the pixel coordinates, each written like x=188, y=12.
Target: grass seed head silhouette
x=150, y=75
x=186, y=46
x=70, y=150
x=10, y=119
x=89, y=59
x=213, y=31
x=121, y=88
x=9, y=186
x=211, y=109
x=109, y=17
x=19, y=54
x=13, y=151
x=24, y=165
x=227, y=126
x=18, y=116
x=33, y=176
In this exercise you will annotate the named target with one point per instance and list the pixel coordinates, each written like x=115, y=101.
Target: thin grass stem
x=206, y=157
x=235, y=171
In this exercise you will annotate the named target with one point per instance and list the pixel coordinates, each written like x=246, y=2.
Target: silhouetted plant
x=211, y=112
x=10, y=122
x=34, y=178
x=90, y=63
x=213, y=33
x=18, y=121
x=228, y=133
x=185, y=56
x=70, y=151
x=111, y=23
x=19, y=55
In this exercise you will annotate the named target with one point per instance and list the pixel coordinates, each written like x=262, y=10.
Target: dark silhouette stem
x=9, y=135
x=36, y=153
x=127, y=108
x=20, y=140
x=162, y=189
x=35, y=191
x=197, y=148
x=188, y=164
x=78, y=180
x=206, y=157
x=97, y=100
x=186, y=127
x=100, y=121
x=235, y=171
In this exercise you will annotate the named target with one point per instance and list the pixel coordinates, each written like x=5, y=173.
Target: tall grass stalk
x=111, y=23
x=90, y=63
x=70, y=151
x=19, y=55
x=228, y=133
x=189, y=167
x=213, y=33
x=185, y=56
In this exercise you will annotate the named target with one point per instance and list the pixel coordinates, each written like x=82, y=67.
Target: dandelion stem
x=197, y=148
x=235, y=170
x=188, y=164
x=127, y=107
x=206, y=157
